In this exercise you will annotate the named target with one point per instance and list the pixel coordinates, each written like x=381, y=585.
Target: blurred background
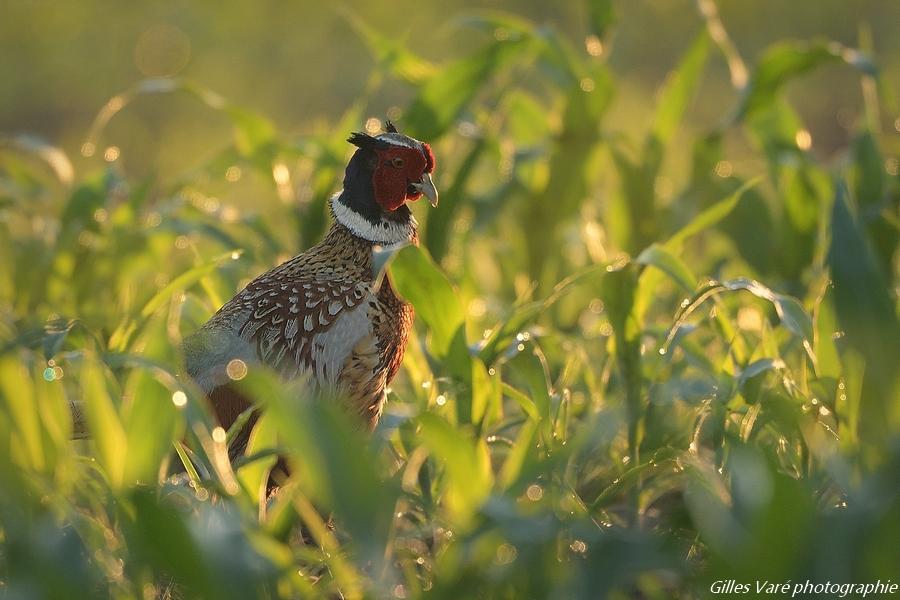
x=303, y=64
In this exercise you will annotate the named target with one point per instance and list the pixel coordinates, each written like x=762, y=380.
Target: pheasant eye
x=397, y=162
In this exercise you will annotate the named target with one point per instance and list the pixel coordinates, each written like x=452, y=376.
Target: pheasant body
x=325, y=312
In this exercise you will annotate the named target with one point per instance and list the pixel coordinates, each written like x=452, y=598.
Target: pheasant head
x=386, y=172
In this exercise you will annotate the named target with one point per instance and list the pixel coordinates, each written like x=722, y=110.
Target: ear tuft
x=390, y=127
x=363, y=140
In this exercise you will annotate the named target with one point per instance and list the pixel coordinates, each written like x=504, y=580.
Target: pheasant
x=321, y=313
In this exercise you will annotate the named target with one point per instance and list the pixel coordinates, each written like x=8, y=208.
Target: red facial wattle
x=398, y=168
x=430, y=162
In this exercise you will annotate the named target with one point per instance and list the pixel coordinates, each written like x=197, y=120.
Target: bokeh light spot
x=233, y=173
x=724, y=169
x=506, y=553
x=179, y=399
x=593, y=45
x=236, y=369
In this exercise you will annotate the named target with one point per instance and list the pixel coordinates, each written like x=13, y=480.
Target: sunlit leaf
x=333, y=457
x=55, y=158
x=444, y=97
x=466, y=462
x=709, y=217
x=184, y=281
x=18, y=396
x=789, y=310
x=394, y=55
x=665, y=262
x=517, y=455
x=567, y=186
x=784, y=61
x=149, y=417
x=423, y=284
x=103, y=422
x=254, y=476
x=679, y=90
x=663, y=259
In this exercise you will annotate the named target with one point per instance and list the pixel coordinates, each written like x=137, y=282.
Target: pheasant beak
x=426, y=187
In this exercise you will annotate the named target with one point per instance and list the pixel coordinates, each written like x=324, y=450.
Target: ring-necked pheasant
x=320, y=312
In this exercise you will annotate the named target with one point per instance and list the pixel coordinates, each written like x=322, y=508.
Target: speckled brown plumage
x=321, y=312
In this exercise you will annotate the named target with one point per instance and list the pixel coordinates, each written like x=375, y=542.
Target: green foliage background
x=657, y=333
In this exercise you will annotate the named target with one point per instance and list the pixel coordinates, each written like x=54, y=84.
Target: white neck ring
x=383, y=232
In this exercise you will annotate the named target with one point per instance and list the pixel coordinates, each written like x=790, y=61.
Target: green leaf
x=255, y=475
x=568, y=184
x=828, y=363
x=467, y=465
x=709, y=217
x=103, y=422
x=55, y=414
x=865, y=311
x=158, y=535
x=876, y=195
x=664, y=260
x=601, y=17
x=392, y=54
x=679, y=89
x=523, y=400
x=254, y=135
x=55, y=158
x=422, y=283
x=441, y=218
x=184, y=281
x=485, y=391
x=633, y=476
x=774, y=129
x=784, y=61
x=524, y=315
x=649, y=280
x=530, y=373
x=445, y=96
x=758, y=367
x=149, y=417
x=789, y=310
x=55, y=333
x=618, y=293
x=335, y=461
x=518, y=454
x=17, y=393
x=806, y=192
x=868, y=175
x=78, y=214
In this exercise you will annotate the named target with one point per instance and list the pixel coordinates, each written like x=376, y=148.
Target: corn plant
x=613, y=391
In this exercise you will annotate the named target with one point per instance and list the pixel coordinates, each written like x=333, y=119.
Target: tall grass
x=616, y=388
